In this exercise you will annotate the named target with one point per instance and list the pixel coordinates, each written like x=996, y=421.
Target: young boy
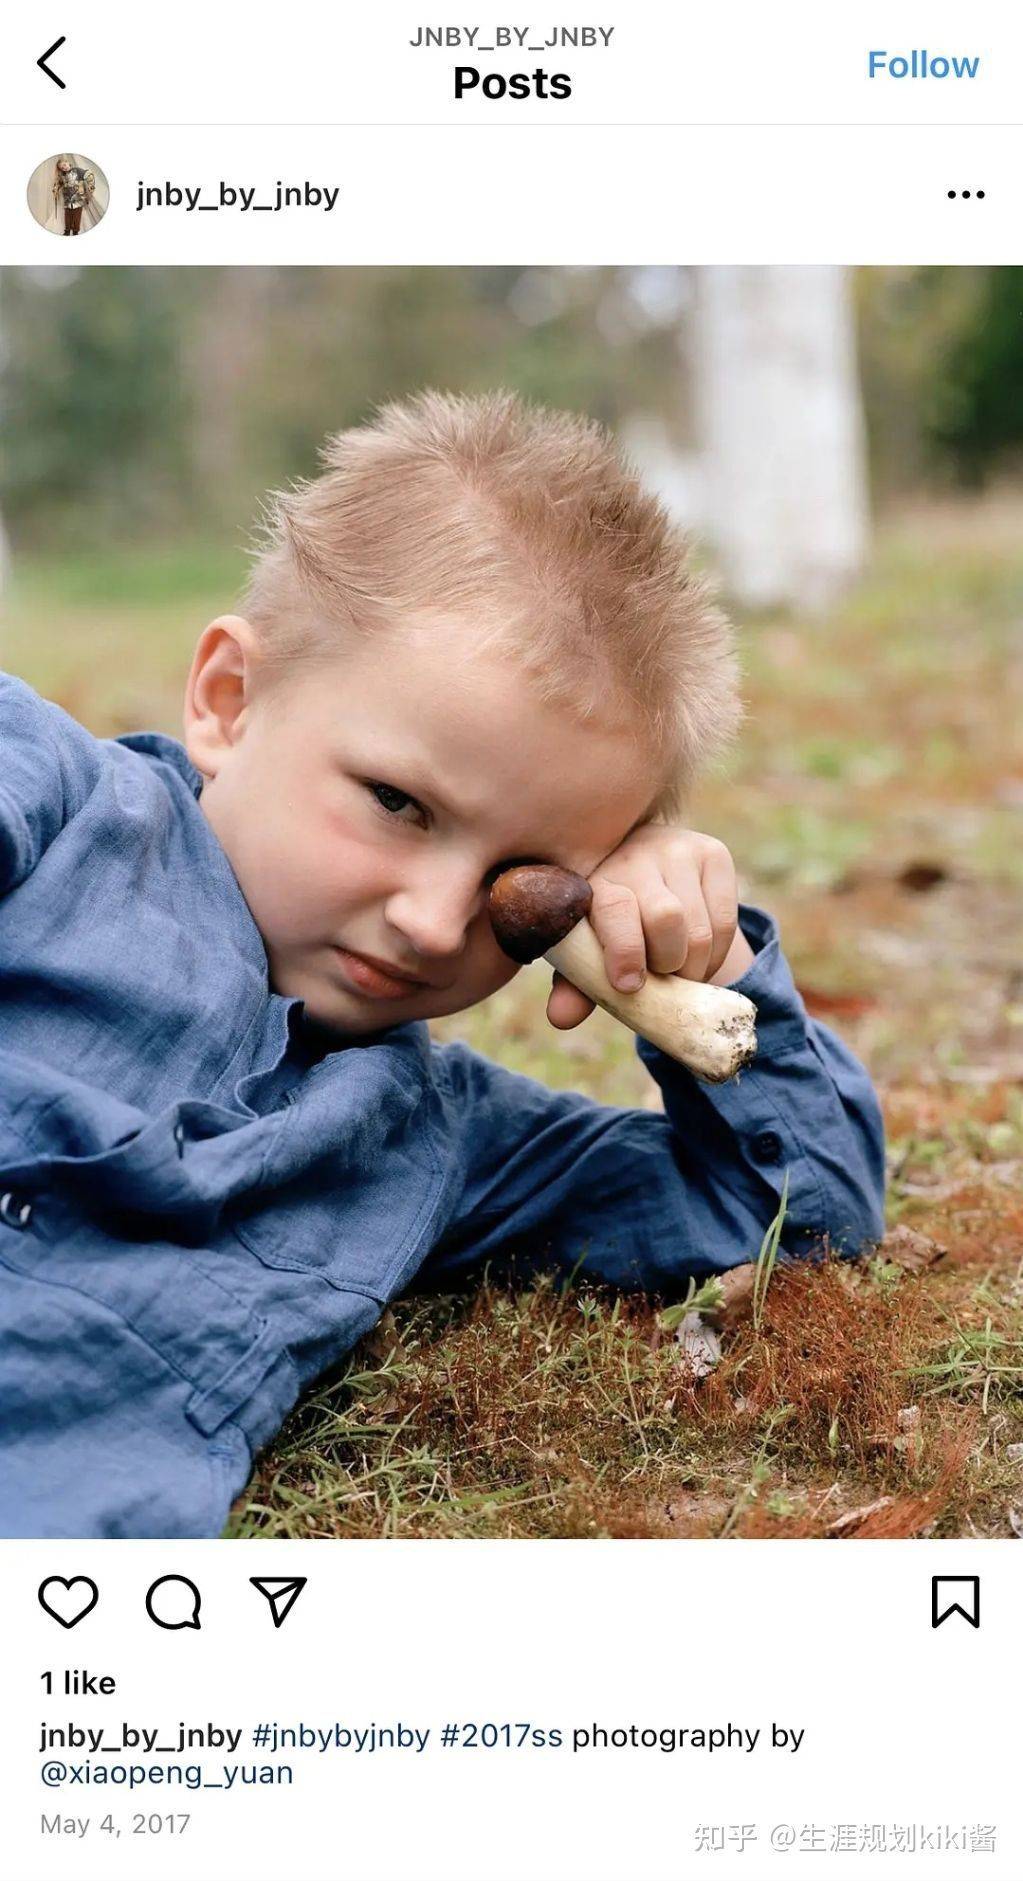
x=226, y=1138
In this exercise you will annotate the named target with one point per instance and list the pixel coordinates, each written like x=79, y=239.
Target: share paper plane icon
x=280, y=1595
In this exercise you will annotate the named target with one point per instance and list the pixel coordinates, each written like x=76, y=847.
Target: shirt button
x=14, y=1210
x=766, y=1146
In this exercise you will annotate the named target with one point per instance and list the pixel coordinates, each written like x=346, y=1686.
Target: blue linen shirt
x=199, y=1211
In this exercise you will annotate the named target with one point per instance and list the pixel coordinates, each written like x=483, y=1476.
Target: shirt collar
x=158, y=745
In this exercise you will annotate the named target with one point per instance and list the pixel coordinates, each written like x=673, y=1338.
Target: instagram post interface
x=511, y=1134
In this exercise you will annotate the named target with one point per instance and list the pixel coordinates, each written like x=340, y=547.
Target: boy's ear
x=218, y=696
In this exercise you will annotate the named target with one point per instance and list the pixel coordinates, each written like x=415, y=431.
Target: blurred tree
x=142, y=400
x=977, y=410
x=4, y=554
x=91, y=373
x=911, y=323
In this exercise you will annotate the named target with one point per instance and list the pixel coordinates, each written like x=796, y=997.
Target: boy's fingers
x=566, y=1005
x=721, y=899
x=681, y=922
x=615, y=919
x=677, y=925
x=672, y=913
x=699, y=941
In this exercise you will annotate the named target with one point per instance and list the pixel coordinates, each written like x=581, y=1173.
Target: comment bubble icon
x=173, y=1602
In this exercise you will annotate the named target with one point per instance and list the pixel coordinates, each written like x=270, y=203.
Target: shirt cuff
x=766, y=1113
x=768, y=982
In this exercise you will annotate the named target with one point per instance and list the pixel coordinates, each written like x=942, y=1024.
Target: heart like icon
x=68, y=1601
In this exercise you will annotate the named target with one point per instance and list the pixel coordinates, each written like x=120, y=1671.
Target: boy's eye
x=396, y=801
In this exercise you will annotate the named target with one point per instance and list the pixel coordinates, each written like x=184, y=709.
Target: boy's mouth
x=377, y=978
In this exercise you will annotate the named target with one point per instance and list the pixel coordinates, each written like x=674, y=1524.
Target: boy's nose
x=434, y=918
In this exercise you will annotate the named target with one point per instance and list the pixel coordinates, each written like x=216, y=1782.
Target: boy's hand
x=665, y=901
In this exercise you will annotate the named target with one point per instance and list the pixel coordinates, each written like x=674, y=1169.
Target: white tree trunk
x=781, y=431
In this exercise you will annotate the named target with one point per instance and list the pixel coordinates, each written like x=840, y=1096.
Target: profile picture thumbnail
x=68, y=193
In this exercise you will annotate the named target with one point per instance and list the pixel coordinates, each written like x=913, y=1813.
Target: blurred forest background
x=147, y=402
x=874, y=801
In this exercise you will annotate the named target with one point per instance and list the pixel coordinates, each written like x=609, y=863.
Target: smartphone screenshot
x=511, y=993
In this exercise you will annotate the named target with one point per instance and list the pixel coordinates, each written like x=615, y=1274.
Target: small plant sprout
x=768, y=1255
x=976, y=1358
x=699, y=1299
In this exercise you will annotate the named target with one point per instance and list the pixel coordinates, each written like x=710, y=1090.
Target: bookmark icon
x=280, y=1595
x=947, y=1598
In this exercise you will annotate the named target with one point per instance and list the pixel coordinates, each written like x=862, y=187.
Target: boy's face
x=366, y=804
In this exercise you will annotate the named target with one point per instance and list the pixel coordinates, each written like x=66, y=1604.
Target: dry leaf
x=918, y=877
x=908, y=1248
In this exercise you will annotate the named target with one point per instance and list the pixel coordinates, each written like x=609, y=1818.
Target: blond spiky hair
x=529, y=523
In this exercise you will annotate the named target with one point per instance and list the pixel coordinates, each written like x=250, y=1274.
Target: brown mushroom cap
x=534, y=906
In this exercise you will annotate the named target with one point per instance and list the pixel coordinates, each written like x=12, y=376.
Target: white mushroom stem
x=710, y=1029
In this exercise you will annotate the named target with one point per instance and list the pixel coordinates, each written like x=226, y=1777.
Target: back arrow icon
x=43, y=67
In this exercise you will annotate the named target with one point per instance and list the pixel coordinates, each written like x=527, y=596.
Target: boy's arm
x=48, y=766
x=644, y=1200
x=805, y=1107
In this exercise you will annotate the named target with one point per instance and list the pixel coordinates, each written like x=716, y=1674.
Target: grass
x=767, y=1257
x=875, y=804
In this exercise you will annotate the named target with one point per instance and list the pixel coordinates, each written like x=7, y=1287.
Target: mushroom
x=538, y=908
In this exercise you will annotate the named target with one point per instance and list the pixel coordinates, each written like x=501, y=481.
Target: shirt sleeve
x=643, y=1199
x=48, y=767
